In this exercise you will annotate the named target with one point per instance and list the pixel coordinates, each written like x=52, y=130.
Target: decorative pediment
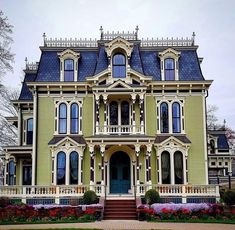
x=119, y=43
x=68, y=53
x=169, y=53
x=172, y=141
x=119, y=84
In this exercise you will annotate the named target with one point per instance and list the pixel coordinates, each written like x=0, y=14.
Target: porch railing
x=120, y=129
x=70, y=191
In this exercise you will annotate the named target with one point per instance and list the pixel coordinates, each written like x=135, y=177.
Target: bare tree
x=212, y=120
x=6, y=56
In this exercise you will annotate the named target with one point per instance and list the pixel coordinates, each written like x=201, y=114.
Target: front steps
x=120, y=210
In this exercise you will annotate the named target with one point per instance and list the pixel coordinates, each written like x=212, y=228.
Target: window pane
x=74, y=118
x=119, y=65
x=178, y=163
x=164, y=118
x=176, y=117
x=166, y=168
x=29, y=140
x=11, y=173
x=169, y=65
x=68, y=70
x=68, y=64
x=61, y=168
x=113, y=113
x=125, y=113
x=68, y=76
x=119, y=59
x=62, y=118
x=74, y=168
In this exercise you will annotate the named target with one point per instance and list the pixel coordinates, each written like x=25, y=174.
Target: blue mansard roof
x=25, y=94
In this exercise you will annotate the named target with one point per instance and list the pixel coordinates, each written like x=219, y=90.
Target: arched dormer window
x=169, y=64
x=169, y=67
x=68, y=70
x=69, y=65
x=119, y=65
x=166, y=167
x=176, y=119
x=63, y=118
x=61, y=168
x=164, y=117
x=178, y=164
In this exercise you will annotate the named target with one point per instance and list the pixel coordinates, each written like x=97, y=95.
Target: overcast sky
x=212, y=20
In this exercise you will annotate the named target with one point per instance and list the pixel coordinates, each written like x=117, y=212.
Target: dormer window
x=169, y=65
x=69, y=65
x=119, y=65
x=69, y=70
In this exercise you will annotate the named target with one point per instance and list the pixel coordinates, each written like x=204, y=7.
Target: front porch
x=62, y=194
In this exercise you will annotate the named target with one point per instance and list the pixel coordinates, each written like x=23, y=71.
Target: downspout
x=207, y=169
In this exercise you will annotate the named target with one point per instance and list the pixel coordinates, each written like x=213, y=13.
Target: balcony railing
x=120, y=129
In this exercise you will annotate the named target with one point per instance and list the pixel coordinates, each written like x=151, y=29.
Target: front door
x=119, y=173
x=27, y=175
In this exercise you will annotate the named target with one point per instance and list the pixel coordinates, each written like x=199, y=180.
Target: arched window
x=63, y=118
x=11, y=173
x=68, y=70
x=61, y=168
x=74, y=117
x=166, y=168
x=73, y=164
x=125, y=116
x=178, y=164
x=164, y=118
x=212, y=145
x=119, y=65
x=176, y=126
x=29, y=134
x=113, y=108
x=169, y=66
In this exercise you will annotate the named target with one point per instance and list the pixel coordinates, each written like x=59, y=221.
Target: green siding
x=88, y=114
x=143, y=167
x=45, y=131
x=86, y=167
x=194, y=129
x=150, y=115
x=153, y=167
x=97, y=169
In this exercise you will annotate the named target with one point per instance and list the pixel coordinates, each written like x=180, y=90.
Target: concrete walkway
x=126, y=224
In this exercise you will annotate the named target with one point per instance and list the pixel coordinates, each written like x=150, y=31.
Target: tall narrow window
x=212, y=145
x=125, y=116
x=29, y=139
x=113, y=110
x=73, y=168
x=62, y=118
x=164, y=118
x=176, y=126
x=68, y=70
x=74, y=118
x=169, y=66
x=119, y=65
x=166, y=168
x=178, y=163
x=61, y=168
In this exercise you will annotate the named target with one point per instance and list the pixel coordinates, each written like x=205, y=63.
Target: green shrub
x=90, y=197
x=229, y=197
x=152, y=196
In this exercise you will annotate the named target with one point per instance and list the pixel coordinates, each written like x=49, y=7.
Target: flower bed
x=171, y=211
x=47, y=213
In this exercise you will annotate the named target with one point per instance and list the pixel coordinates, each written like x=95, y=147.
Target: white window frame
x=68, y=103
x=170, y=103
x=173, y=54
x=26, y=117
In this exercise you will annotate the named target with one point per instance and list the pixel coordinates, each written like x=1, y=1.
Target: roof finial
x=101, y=33
x=26, y=62
x=193, y=38
x=44, y=38
x=136, y=32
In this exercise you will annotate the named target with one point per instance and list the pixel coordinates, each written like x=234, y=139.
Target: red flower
x=89, y=211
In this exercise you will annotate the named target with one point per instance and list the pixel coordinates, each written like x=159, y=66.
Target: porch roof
x=183, y=138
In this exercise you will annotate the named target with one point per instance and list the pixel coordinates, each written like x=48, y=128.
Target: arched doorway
x=120, y=173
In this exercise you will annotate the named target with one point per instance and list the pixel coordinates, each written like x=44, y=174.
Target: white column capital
x=105, y=98
x=102, y=149
x=141, y=95
x=97, y=97
x=149, y=148
x=137, y=148
x=91, y=148
x=133, y=97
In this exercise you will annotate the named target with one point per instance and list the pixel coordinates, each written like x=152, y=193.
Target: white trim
x=34, y=150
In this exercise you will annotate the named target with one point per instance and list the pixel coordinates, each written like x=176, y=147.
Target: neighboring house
x=220, y=158
x=118, y=115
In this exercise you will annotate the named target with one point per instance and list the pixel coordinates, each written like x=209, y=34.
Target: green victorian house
x=118, y=115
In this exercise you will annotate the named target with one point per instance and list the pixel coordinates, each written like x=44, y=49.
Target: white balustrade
x=120, y=129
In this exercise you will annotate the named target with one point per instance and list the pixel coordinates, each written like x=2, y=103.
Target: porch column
x=97, y=116
x=81, y=163
x=102, y=150
x=92, y=165
x=141, y=113
x=133, y=97
x=6, y=171
x=105, y=112
x=137, y=151
x=149, y=150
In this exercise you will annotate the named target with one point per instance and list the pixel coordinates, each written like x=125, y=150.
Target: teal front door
x=120, y=173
